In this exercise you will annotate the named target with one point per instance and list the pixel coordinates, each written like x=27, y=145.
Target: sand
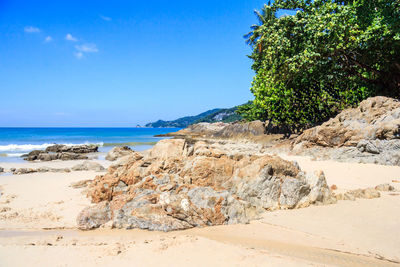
x=38, y=211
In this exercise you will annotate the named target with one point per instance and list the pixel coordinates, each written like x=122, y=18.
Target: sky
x=121, y=63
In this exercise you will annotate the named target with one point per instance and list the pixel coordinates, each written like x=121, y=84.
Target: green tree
x=328, y=56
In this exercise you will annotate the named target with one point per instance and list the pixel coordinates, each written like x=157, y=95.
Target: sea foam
x=26, y=147
x=30, y=147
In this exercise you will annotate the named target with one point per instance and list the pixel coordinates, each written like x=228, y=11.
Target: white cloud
x=78, y=55
x=31, y=29
x=48, y=39
x=69, y=37
x=87, y=48
x=105, y=18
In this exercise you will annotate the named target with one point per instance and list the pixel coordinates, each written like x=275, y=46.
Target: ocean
x=17, y=141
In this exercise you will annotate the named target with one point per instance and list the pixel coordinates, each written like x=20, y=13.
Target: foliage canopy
x=328, y=56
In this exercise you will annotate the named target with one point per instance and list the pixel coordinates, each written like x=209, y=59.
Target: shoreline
x=281, y=237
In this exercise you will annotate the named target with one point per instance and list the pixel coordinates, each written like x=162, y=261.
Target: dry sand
x=38, y=211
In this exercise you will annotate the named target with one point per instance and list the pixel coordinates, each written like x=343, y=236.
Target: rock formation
x=88, y=166
x=85, y=166
x=118, y=152
x=222, y=130
x=61, y=152
x=41, y=169
x=178, y=185
x=79, y=149
x=369, y=133
x=1, y=169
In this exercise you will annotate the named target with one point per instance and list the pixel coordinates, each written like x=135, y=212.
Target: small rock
x=81, y=184
x=384, y=187
x=4, y=209
x=88, y=166
x=370, y=193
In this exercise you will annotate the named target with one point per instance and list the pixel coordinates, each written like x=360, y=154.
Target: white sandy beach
x=38, y=228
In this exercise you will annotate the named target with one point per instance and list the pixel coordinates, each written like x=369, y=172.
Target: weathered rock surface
x=118, y=152
x=85, y=166
x=41, y=169
x=223, y=130
x=254, y=128
x=367, y=193
x=44, y=156
x=61, y=152
x=179, y=185
x=79, y=149
x=94, y=217
x=369, y=133
x=385, y=187
x=1, y=169
x=88, y=166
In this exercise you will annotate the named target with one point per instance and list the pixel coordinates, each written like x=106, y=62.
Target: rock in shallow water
x=180, y=185
x=60, y=152
x=79, y=149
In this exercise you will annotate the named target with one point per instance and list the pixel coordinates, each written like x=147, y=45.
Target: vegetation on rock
x=328, y=56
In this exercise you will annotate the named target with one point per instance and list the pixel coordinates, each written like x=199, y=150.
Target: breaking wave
x=30, y=147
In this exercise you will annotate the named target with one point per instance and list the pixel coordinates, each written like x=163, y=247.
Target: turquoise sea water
x=16, y=141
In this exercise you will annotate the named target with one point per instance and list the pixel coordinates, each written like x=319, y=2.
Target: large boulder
x=61, y=152
x=178, y=185
x=118, y=152
x=1, y=169
x=369, y=133
x=376, y=118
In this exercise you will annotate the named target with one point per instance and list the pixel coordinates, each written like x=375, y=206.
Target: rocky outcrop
x=253, y=128
x=94, y=217
x=367, y=193
x=369, y=133
x=118, y=152
x=79, y=149
x=61, y=152
x=179, y=185
x=41, y=169
x=44, y=156
x=85, y=166
x=222, y=130
x=1, y=169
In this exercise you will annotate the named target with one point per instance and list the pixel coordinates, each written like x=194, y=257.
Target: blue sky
x=121, y=63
